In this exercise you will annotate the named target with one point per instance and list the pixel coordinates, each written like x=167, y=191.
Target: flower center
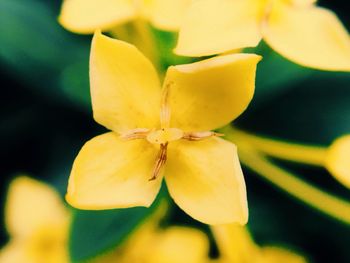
x=164, y=135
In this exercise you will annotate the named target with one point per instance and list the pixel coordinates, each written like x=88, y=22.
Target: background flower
x=299, y=30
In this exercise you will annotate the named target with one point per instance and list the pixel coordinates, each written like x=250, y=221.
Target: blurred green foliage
x=46, y=117
x=41, y=53
x=95, y=232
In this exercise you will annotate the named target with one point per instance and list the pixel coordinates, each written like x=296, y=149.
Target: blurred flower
x=335, y=158
x=127, y=20
x=236, y=245
x=338, y=160
x=124, y=168
x=150, y=244
x=37, y=222
x=255, y=152
x=85, y=16
x=297, y=29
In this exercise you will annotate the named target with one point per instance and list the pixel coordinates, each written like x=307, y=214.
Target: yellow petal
x=150, y=244
x=338, y=160
x=14, y=252
x=136, y=248
x=205, y=180
x=168, y=14
x=278, y=255
x=85, y=16
x=216, y=26
x=49, y=245
x=125, y=89
x=209, y=94
x=140, y=243
x=235, y=243
x=112, y=173
x=179, y=245
x=48, y=249
x=311, y=36
x=26, y=194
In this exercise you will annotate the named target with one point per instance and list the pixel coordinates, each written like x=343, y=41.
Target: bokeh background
x=46, y=117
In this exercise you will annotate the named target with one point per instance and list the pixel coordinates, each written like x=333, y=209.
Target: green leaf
x=95, y=232
x=315, y=111
x=74, y=82
x=36, y=49
x=166, y=42
x=275, y=75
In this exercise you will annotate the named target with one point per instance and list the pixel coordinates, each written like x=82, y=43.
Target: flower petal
x=168, y=14
x=112, y=173
x=14, y=252
x=311, y=36
x=338, y=160
x=279, y=254
x=205, y=180
x=24, y=195
x=192, y=243
x=216, y=26
x=160, y=246
x=125, y=88
x=85, y=16
x=209, y=94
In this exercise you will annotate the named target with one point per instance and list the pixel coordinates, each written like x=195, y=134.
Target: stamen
x=197, y=136
x=160, y=162
x=138, y=133
x=165, y=108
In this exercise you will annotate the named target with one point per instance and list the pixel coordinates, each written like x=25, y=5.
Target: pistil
x=160, y=161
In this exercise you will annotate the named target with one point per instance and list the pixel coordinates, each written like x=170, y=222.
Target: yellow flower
x=337, y=160
x=150, y=244
x=37, y=222
x=236, y=245
x=297, y=29
x=85, y=16
x=167, y=132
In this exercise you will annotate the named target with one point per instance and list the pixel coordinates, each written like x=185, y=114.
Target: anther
x=138, y=133
x=197, y=136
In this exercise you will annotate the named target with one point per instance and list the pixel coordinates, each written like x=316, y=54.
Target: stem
x=289, y=182
x=312, y=155
x=144, y=39
x=122, y=32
